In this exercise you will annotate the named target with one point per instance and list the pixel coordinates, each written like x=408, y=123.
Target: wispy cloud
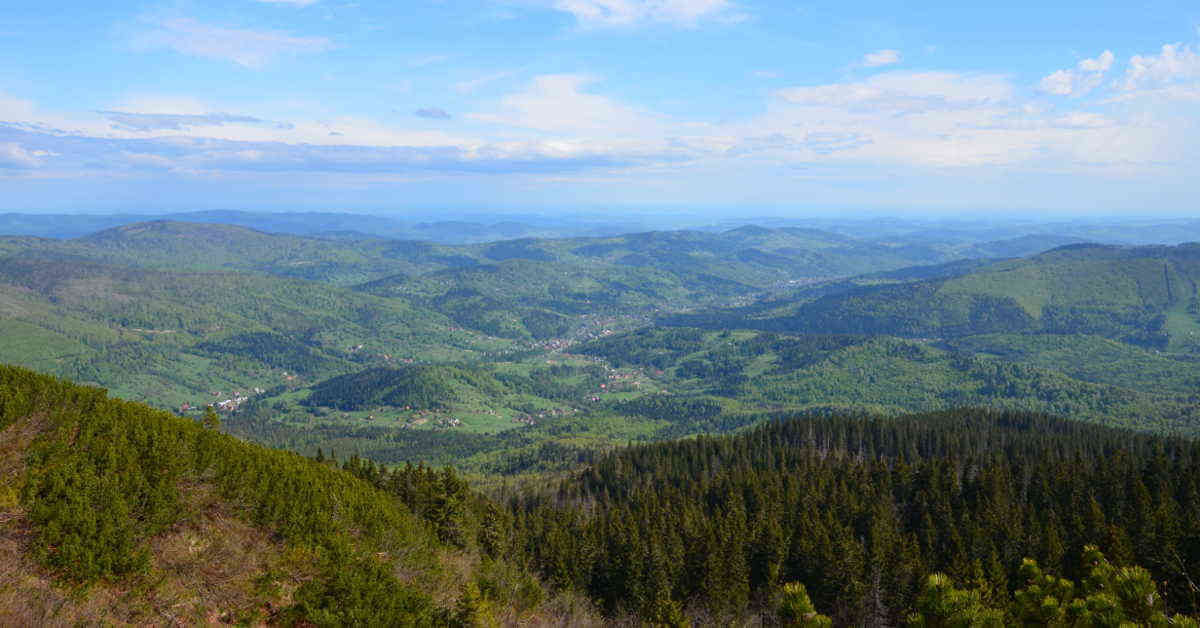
x=14, y=157
x=432, y=113
x=608, y=13
x=298, y=3
x=473, y=85
x=881, y=58
x=191, y=155
x=420, y=62
x=134, y=121
x=245, y=47
x=906, y=92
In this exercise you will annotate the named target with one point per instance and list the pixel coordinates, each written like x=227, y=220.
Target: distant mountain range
x=461, y=228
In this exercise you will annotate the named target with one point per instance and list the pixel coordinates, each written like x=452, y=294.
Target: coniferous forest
x=968, y=517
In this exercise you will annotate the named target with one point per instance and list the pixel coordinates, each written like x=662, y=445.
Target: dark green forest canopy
x=861, y=510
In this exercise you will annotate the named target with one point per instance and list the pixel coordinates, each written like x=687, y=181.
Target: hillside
x=112, y=512
x=170, y=312
x=168, y=245
x=149, y=518
x=861, y=511
x=179, y=337
x=663, y=383
x=526, y=353
x=523, y=288
x=769, y=371
x=1140, y=295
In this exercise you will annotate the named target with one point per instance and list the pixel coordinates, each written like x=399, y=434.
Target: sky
x=711, y=106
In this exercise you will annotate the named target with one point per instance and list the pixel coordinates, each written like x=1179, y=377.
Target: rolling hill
x=164, y=310
x=113, y=512
x=1140, y=295
x=177, y=337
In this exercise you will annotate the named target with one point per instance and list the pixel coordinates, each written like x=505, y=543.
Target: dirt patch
x=208, y=568
x=214, y=567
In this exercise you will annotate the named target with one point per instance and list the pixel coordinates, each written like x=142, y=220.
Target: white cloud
x=940, y=120
x=634, y=12
x=169, y=105
x=14, y=156
x=143, y=122
x=247, y=48
x=894, y=121
x=298, y=3
x=1081, y=79
x=473, y=85
x=1060, y=83
x=1174, y=63
x=557, y=103
x=905, y=92
x=1099, y=64
x=881, y=58
x=1083, y=120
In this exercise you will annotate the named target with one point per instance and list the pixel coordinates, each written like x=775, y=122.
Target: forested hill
x=753, y=256
x=169, y=312
x=115, y=513
x=862, y=511
x=1140, y=295
x=112, y=512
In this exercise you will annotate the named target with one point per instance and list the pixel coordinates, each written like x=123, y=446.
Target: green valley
x=528, y=354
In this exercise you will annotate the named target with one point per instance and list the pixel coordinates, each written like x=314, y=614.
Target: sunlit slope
x=194, y=526
x=519, y=289
x=1143, y=295
x=1120, y=384
x=170, y=336
x=114, y=513
x=183, y=246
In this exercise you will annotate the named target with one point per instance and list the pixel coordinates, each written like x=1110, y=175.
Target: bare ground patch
x=209, y=568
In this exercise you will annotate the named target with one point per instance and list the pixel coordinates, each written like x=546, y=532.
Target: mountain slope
x=174, y=337
x=762, y=371
x=519, y=289
x=1141, y=295
x=162, y=519
x=862, y=510
x=109, y=483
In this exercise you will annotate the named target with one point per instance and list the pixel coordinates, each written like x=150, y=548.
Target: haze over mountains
x=460, y=228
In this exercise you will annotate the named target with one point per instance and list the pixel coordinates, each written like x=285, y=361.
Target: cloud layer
x=1124, y=119
x=245, y=47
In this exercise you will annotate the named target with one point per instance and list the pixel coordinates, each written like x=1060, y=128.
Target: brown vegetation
x=208, y=568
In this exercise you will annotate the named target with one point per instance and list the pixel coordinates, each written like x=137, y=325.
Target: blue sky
x=716, y=106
